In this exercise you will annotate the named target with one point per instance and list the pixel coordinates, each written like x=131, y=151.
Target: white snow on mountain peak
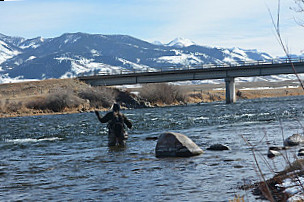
x=158, y=43
x=181, y=42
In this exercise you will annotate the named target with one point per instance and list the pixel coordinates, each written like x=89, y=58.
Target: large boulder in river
x=294, y=140
x=172, y=144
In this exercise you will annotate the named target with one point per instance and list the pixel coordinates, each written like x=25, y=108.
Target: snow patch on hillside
x=135, y=66
x=95, y=53
x=30, y=58
x=4, y=78
x=181, y=58
x=236, y=54
x=71, y=39
x=82, y=66
x=6, y=52
x=30, y=45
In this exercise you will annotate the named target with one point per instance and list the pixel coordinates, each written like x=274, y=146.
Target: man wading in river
x=116, y=125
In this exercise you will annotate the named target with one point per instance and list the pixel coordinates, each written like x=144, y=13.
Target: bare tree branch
x=283, y=45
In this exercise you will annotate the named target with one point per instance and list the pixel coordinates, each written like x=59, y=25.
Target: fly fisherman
x=116, y=125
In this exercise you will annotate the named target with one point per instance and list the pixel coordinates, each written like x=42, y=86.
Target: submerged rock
x=275, y=151
x=294, y=140
x=172, y=144
x=218, y=147
x=151, y=138
x=301, y=152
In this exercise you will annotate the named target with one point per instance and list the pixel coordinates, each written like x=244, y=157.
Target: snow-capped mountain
x=31, y=43
x=12, y=40
x=74, y=54
x=181, y=43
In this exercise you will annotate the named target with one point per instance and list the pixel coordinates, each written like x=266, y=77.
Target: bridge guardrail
x=200, y=66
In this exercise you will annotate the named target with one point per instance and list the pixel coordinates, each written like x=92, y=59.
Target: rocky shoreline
x=15, y=96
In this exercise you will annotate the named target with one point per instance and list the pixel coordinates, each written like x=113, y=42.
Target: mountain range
x=74, y=54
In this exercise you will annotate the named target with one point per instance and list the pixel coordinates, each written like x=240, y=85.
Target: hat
x=116, y=107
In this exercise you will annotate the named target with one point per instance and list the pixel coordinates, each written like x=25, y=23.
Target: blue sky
x=221, y=23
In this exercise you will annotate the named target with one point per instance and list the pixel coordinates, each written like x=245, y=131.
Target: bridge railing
x=199, y=66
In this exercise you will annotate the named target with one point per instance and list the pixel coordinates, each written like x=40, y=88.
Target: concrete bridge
x=203, y=72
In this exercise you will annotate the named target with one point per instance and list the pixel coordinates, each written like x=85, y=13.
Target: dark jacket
x=108, y=118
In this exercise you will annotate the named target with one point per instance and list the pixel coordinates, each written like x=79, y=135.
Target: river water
x=65, y=157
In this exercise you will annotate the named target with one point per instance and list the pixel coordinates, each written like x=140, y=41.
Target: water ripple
x=65, y=157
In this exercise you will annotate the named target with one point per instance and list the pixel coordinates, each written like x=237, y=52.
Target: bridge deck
x=194, y=74
x=182, y=74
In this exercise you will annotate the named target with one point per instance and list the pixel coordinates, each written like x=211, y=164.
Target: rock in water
x=172, y=144
x=294, y=140
x=301, y=152
x=151, y=138
x=275, y=151
x=218, y=147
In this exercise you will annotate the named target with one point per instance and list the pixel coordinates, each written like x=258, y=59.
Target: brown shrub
x=215, y=96
x=38, y=103
x=196, y=95
x=164, y=93
x=55, y=102
x=98, y=96
x=13, y=106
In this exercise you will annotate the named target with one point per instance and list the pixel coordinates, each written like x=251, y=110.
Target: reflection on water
x=65, y=157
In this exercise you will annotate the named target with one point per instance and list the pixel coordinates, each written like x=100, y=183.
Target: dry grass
x=70, y=95
x=99, y=96
x=271, y=189
x=51, y=96
x=162, y=93
x=219, y=95
x=238, y=198
x=13, y=106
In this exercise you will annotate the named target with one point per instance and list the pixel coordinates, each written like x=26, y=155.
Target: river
x=65, y=157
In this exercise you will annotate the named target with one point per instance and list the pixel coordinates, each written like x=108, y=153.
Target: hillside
x=74, y=54
x=55, y=96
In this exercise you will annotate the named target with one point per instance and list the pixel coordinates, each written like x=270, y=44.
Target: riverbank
x=21, y=99
x=286, y=185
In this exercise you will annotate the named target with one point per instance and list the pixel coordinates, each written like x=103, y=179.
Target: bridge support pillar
x=230, y=90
